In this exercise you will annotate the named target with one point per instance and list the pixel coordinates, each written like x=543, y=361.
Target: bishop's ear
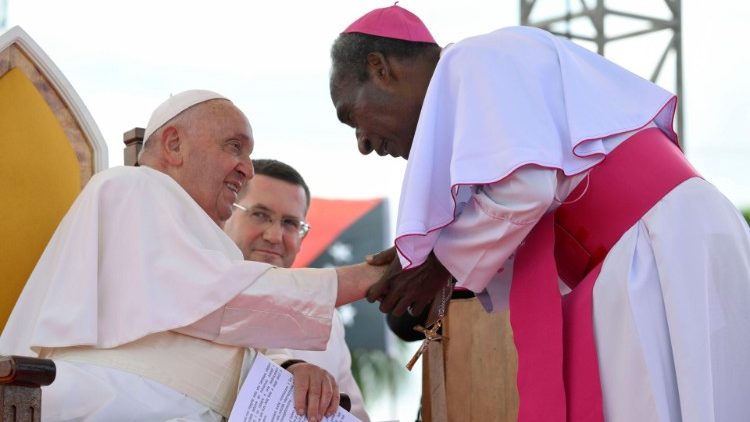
x=379, y=67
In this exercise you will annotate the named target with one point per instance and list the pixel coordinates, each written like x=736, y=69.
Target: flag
x=344, y=232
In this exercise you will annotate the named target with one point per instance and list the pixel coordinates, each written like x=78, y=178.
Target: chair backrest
x=50, y=149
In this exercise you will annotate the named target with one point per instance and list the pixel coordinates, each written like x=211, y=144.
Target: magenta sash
x=558, y=372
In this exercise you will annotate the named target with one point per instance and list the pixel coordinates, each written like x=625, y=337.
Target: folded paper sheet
x=268, y=395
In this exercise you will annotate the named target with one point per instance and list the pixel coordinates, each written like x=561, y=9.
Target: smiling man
x=148, y=308
x=534, y=160
x=268, y=224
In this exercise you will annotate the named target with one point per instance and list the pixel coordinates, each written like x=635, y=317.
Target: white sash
x=207, y=372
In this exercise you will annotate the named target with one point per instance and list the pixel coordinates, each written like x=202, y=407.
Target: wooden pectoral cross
x=430, y=334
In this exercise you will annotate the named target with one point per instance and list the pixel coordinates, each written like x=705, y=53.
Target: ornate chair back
x=50, y=149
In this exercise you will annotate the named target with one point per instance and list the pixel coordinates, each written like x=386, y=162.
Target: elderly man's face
x=267, y=231
x=384, y=119
x=216, y=152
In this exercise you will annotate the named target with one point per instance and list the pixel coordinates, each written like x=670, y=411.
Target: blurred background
x=272, y=59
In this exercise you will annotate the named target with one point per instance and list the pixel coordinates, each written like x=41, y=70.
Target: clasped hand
x=413, y=289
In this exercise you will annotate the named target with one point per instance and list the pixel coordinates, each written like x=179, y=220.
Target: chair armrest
x=26, y=371
x=346, y=402
x=21, y=379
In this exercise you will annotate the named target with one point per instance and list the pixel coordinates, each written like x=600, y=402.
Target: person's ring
x=410, y=311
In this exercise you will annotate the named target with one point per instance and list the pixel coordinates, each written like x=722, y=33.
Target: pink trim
x=454, y=187
x=673, y=134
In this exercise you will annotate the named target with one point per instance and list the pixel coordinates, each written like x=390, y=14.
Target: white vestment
x=136, y=257
x=511, y=123
x=337, y=360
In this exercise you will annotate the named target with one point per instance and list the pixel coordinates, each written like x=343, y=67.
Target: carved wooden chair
x=51, y=148
x=133, y=140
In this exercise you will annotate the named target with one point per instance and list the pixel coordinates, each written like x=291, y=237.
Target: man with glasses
x=268, y=219
x=268, y=225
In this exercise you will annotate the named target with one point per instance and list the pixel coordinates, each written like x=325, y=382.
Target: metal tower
x=591, y=21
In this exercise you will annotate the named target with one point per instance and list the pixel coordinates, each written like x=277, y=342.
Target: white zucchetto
x=175, y=105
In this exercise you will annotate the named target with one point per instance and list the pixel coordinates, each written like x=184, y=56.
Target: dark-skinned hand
x=381, y=287
x=383, y=257
x=411, y=289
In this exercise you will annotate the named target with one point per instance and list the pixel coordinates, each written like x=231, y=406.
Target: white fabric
x=510, y=124
x=672, y=310
x=513, y=97
x=337, y=360
x=175, y=105
x=164, y=376
x=671, y=304
x=91, y=393
x=207, y=372
x=135, y=255
x=495, y=218
x=297, y=316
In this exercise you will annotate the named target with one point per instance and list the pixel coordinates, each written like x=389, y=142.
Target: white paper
x=267, y=395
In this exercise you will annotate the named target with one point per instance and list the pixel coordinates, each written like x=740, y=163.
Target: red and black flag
x=344, y=232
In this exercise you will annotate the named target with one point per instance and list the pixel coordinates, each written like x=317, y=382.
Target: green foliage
x=377, y=373
x=746, y=214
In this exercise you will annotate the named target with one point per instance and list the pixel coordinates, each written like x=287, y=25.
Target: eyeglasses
x=263, y=219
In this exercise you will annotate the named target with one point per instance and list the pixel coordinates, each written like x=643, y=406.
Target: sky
x=272, y=59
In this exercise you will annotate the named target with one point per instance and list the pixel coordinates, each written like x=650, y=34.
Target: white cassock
x=148, y=308
x=512, y=122
x=337, y=360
